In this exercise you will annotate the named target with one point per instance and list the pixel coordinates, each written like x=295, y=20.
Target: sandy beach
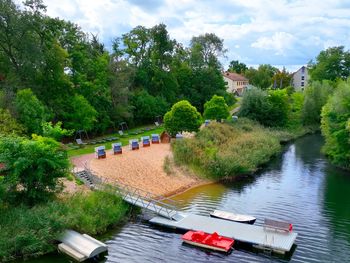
x=142, y=169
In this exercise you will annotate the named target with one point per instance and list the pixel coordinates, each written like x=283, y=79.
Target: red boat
x=210, y=241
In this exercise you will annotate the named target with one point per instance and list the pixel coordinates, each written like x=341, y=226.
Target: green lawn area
x=89, y=148
x=237, y=104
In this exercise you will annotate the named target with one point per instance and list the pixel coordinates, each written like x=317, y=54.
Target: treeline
x=50, y=70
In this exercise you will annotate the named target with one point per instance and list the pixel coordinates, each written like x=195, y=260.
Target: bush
x=227, y=150
x=9, y=125
x=216, y=108
x=316, y=96
x=182, y=117
x=55, y=131
x=31, y=112
x=296, y=106
x=32, y=167
x=335, y=119
x=268, y=108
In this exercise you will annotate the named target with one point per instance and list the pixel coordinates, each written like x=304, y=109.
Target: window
x=302, y=83
x=302, y=77
x=302, y=69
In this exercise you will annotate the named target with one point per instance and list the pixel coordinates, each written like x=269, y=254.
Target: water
x=300, y=187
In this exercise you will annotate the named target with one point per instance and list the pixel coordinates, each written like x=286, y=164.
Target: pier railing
x=158, y=204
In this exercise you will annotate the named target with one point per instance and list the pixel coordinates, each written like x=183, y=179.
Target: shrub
x=55, y=131
x=216, y=108
x=316, y=96
x=335, y=120
x=9, y=125
x=296, y=106
x=31, y=112
x=182, y=117
x=227, y=150
x=32, y=167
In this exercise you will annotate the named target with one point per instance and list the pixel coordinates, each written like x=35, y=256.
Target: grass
x=237, y=104
x=28, y=232
x=224, y=150
x=123, y=139
x=167, y=166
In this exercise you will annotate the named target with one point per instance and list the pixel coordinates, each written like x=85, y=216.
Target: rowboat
x=233, y=217
x=209, y=241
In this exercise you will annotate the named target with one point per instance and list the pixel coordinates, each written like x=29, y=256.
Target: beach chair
x=117, y=148
x=80, y=142
x=100, y=152
x=155, y=138
x=234, y=118
x=146, y=141
x=206, y=122
x=134, y=144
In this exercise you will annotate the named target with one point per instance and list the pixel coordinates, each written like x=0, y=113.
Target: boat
x=233, y=217
x=209, y=241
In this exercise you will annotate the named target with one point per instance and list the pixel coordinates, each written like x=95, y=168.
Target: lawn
x=124, y=139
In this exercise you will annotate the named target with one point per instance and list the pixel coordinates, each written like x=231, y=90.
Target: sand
x=143, y=169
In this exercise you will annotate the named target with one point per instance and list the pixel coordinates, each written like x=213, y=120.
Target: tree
x=331, y=64
x=316, y=96
x=238, y=67
x=32, y=167
x=281, y=79
x=335, y=120
x=9, y=125
x=31, y=112
x=80, y=115
x=216, y=108
x=261, y=77
x=55, y=131
x=182, y=117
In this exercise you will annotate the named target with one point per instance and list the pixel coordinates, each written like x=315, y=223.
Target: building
x=300, y=78
x=235, y=83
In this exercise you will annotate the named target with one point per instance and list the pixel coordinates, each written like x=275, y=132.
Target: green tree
x=80, y=115
x=261, y=77
x=281, y=79
x=279, y=111
x=238, y=67
x=32, y=167
x=335, y=120
x=216, y=108
x=31, y=112
x=331, y=64
x=55, y=131
x=316, y=96
x=182, y=117
x=9, y=125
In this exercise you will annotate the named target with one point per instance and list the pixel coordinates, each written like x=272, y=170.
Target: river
x=299, y=186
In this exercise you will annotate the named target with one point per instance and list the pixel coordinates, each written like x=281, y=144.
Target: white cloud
x=279, y=32
x=279, y=42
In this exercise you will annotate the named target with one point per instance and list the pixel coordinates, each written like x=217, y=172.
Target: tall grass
x=27, y=232
x=229, y=149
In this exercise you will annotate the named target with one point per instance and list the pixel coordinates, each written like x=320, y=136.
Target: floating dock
x=258, y=236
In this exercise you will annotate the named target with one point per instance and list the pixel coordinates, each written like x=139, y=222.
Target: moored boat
x=233, y=217
x=209, y=241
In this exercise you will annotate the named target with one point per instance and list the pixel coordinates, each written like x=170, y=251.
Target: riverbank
x=31, y=231
x=227, y=150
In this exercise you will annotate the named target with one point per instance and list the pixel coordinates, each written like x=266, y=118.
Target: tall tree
x=261, y=77
x=281, y=79
x=238, y=67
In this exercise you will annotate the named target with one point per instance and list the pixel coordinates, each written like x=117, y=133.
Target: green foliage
x=216, y=108
x=261, y=77
x=29, y=232
x=81, y=115
x=55, y=131
x=9, y=125
x=238, y=67
x=226, y=150
x=31, y=112
x=296, y=106
x=268, y=108
x=32, y=167
x=147, y=107
x=182, y=117
x=230, y=98
x=281, y=79
x=335, y=119
x=316, y=96
x=331, y=64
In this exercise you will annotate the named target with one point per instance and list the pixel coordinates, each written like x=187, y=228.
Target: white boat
x=233, y=217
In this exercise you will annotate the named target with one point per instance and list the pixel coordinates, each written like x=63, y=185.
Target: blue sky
x=278, y=32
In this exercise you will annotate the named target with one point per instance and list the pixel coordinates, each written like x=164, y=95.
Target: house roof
x=234, y=76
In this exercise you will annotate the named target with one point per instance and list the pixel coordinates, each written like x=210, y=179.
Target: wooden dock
x=258, y=236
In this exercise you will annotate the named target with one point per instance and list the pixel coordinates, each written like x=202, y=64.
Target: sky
x=277, y=32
